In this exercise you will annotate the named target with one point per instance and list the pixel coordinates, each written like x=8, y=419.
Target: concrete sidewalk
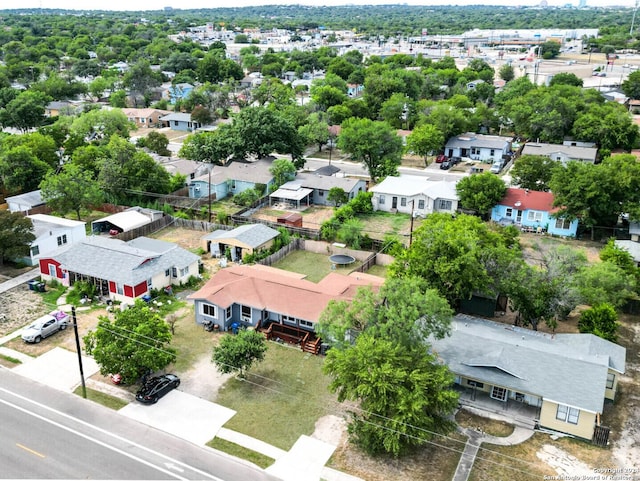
x=21, y=279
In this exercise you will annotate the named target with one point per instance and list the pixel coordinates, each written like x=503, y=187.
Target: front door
x=394, y=203
x=519, y=217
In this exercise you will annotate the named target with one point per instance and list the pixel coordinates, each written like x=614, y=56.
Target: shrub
x=361, y=203
x=601, y=320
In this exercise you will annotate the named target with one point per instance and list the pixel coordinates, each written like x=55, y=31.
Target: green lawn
x=102, y=398
x=190, y=340
x=281, y=398
x=315, y=266
x=241, y=452
x=378, y=224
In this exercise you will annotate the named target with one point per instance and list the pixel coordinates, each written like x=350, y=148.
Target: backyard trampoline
x=342, y=259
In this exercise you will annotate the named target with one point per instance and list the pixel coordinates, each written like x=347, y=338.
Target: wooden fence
x=295, y=245
x=167, y=221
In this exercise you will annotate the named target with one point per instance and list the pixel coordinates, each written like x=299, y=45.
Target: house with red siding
x=121, y=271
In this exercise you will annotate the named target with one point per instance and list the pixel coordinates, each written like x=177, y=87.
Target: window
x=499, y=393
x=562, y=223
x=321, y=193
x=381, y=200
x=174, y=272
x=403, y=201
x=228, y=312
x=519, y=397
x=149, y=282
x=62, y=239
x=306, y=323
x=508, y=212
x=209, y=310
x=444, y=204
x=35, y=250
x=184, y=272
x=119, y=289
x=473, y=383
x=421, y=204
x=611, y=379
x=492, y=153
x=246, y=313
x=167, y=272
x=567, y=414
x=534, y=215
x=142, y=120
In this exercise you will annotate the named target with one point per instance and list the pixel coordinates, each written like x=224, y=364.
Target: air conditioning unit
x=197, y=188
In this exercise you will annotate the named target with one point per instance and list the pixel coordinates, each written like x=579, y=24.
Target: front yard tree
x=283, y=170
x=72, y=190
x=533, y=172
x=481, y=192
x=136, y=342
x=373, y=143
x=337, y=196
x=424, y=140
x=20, y=170
x=16, y=234
x=237, y=353
x=404, y=393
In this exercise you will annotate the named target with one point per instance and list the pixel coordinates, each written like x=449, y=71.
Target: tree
x=26, y=111
x=136, y=342
x=506, y=72
x=424, y=140
x=404, y=393
x=315, y=131
x=283, y=170
x=72, y=190
x=533, y=172
x=375, y=144
x=20, y=170
x=141, y=79
x=16, y=235
x=481, y=192
x=459, y=256
x=566, y=78
x=549, y=49
x=156, y=142
x=631, y=86
x=237, y=353
x=601, y=320
x=606, y=282
x=337, y=196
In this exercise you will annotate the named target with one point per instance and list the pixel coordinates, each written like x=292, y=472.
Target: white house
x=412, y=194
x=25, y=202
x=53, y=232
x=561, y=153
x=486, y=148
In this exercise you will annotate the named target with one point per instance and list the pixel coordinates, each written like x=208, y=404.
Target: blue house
x=532, y=211
x=232, y=179
x=177, y=92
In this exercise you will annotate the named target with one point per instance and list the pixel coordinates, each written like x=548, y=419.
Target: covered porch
x=291, y=196
x=102, y=285
x=514, y=411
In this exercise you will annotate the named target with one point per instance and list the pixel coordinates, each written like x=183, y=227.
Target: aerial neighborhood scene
x=360, y=242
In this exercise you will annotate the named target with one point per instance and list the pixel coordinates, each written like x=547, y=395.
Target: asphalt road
x=49, y=434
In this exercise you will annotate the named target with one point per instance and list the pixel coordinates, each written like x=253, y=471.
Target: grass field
x=377, y=224
x=241, y=452
x=281, y=397
x=102, y=398
x=315, y=266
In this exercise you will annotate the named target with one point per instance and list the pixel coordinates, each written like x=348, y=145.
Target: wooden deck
x=307, y=341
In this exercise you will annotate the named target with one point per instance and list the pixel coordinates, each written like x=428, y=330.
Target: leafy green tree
x=631, y=86
x=20, y=170
x=375, y=144
x=507, y=72
x=403, y=393
x=16, y=235
x=283, y=170
x=549, y=49
x=606, y=282
x=315, y=131
x=156, y=142
x=533, y=172
x=42, y=146
x=601, y=320
x=424, y=140
x=141, y=79
x=25, y=111
x=136, y=342
x=72, y=190
x=480, y=192
x=215, y=147
x=459, y=256
x=100, y=125
x=237, y=353
x=450, y=120
x=350, y=233
x=566, y=78
x=337, y=196
x=618, y=256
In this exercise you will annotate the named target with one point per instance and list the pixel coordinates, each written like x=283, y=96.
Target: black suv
x=156, y=387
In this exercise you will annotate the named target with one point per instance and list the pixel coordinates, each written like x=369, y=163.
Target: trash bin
x=41, y=287
x=32, y=285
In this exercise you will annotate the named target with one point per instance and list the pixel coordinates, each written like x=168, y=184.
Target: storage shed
x=241, y=241
x=291, y=219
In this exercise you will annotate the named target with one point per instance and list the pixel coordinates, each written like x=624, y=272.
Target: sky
x=123, y=5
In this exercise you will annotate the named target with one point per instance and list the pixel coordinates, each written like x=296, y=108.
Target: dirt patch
x=535, y=246
x=203, y=379
x=312, y=218
x=18, y=307
x=564, y=463
x=330, y=429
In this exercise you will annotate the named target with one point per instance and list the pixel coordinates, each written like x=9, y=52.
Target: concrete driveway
x=183, y=415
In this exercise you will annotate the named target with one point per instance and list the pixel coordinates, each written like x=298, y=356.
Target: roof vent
x=518, y=204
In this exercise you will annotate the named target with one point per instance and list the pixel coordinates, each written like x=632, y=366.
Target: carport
x=291, y=196
x=122, y=222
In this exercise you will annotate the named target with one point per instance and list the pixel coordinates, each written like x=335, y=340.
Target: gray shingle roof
x=565, y=368
x=470, y=140
x=571, y=151
x=126, y=263
x=253, y=235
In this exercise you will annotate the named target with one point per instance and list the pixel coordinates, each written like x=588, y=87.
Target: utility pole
x=633, y=19
x=75, y=331
x=411, y=228
x=209, y=184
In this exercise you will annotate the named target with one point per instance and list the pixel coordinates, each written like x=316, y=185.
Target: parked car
x=45, y=326
x=156, y=387
x=497, y=166
x=446, y=165
x=455, y=160
x=440, y=158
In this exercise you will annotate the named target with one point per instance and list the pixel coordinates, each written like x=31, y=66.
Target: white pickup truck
x=45, y=326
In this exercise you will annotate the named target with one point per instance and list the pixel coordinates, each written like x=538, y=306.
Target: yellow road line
x=30, y=450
